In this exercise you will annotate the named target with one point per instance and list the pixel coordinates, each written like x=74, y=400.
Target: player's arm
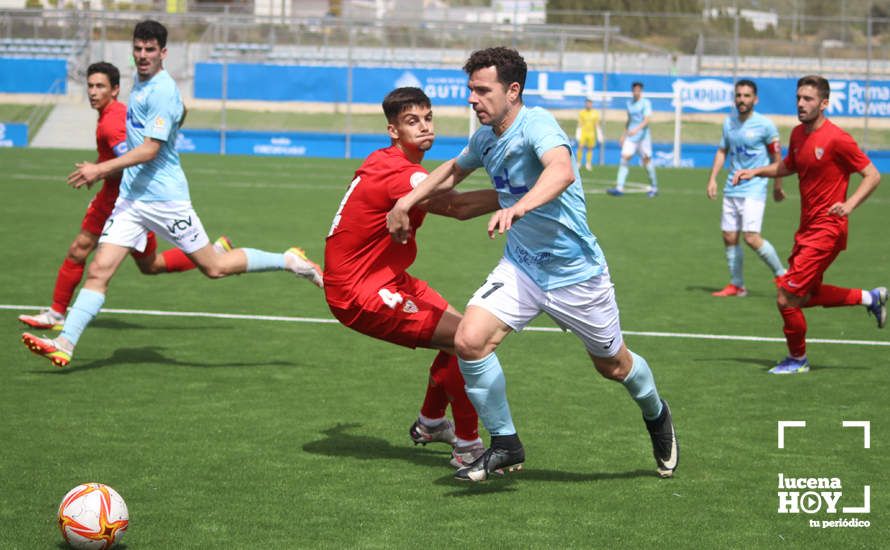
x=871, y=178
x=775, y=149
x=440, y=180
x=775, y=170
x=719, y=161
x=185, y=112
x=462, y=206
x=557, y=176
x=88, y=172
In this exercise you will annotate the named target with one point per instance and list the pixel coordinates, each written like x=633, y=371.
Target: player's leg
x=731, y=225
x=507, y=301
x=69, y=276
x=805, y=268
x=874, y=300
x=178, y=223
x=87, y=305
x=172, y=260
x=646, y=157
x=752, y=222
x=589, y=310
x=628, y=150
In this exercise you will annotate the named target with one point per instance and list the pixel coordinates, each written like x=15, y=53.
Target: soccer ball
x=93, y=516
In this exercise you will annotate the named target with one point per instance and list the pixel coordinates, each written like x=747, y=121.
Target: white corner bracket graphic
x=866, y=430
x=866, y=503
x=788, y=424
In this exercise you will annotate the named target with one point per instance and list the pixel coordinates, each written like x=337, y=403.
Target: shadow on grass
x=64, y=545
x=767, y=364
x=117, y=324
x=710, y=289
x=339, y=442
x=152, y=354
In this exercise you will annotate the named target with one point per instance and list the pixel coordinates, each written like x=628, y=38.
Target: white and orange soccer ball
x=93, y=516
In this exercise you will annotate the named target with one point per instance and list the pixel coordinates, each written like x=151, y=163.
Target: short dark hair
x=106, y=68
x=150, y=29
x=401, y=99
x=748, y=83
x=816, y=81
x=509, y=64
x=636, y=84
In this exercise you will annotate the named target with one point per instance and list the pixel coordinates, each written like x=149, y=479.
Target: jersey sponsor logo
x=743, y=151
x=504, y=184
x=180, y=225
x=133, y=122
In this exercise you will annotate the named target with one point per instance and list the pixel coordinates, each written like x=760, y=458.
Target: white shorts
x=642, y=148
x=742, y=214
x=175, y=221
x=588, y=308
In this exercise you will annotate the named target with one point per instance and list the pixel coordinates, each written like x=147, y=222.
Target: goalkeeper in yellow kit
x=588, y=133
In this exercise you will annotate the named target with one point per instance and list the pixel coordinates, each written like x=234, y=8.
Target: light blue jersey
x=154, y=111
x=746, y=144
x=637, y=111
x=551, y=244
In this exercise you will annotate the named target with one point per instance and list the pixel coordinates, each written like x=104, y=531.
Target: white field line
x=686, y=335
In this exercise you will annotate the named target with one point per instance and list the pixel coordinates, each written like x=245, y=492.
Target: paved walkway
x=70, y=125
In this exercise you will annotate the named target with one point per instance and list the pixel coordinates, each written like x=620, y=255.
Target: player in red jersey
x=368, y=288
x=823, y=156
x=103, y=86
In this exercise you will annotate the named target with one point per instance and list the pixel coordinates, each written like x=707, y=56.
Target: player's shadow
x=339, y=442
x=152, y=354
x=64, y=545
x=710, y=289
x=117, y=324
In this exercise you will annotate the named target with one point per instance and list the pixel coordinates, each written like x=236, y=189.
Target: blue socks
x=86, y=306
x=260, y=260
x=641, y=385
x=622, y=176
x=487, y=390
x=768, y=254
x=734, y=259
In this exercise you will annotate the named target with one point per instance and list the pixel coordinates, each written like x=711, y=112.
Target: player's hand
x=398, y=223
x=740, y=175
x=502, y=220
x=86, y=174
x=778, y=194
x=632, y=132
x=840, y=209
x=712, y=189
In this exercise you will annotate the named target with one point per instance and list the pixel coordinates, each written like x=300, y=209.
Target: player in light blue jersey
x=552, y=262
x=636, y=140
x=153, y=196
x=751, y=141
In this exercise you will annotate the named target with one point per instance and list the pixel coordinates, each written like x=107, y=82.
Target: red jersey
x=111, y=136
x=360, y=257
x=823, y=160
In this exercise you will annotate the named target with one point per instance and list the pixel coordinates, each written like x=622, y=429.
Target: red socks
x=176, y=260
x=445, y=374
x=69, y=277
x=834, y=296
x=795, y=330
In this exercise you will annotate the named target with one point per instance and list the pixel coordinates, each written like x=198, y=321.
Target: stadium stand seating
x=40, y=47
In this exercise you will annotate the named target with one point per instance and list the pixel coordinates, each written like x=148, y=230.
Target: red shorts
x=100, y=210
x=404, y=312
x=806, y=267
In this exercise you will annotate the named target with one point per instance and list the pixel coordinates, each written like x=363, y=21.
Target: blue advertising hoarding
x=13, y=134
x=545, y=88
x=33, y=76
